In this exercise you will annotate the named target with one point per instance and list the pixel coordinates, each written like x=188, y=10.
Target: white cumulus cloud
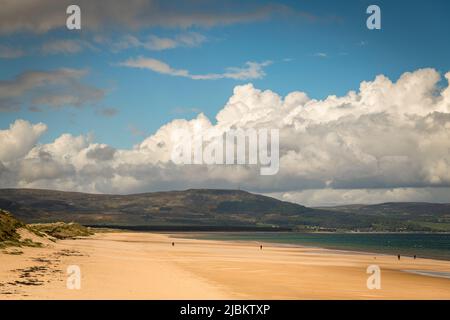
x=18, y=140
x=388, y=140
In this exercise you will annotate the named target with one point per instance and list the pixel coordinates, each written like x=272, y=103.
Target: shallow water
x=436, y=246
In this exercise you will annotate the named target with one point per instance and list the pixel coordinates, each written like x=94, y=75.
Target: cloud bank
x=388, y=140
x=55, y=88
x=46, y=15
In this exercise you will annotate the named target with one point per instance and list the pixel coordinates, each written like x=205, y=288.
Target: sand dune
x=147, y=266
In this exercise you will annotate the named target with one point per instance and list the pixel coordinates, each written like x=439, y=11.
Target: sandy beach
x=146, y=266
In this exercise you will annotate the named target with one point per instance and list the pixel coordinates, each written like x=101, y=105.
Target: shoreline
x=404, y=252
x=180, y=229
x=144, y=265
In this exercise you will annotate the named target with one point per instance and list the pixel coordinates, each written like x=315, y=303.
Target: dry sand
x=147, y=266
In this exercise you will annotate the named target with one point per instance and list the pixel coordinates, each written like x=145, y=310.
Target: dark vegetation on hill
x=401, y=216
x=219, y=209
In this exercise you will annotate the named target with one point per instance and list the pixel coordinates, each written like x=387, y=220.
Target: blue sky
x=329, y=53
x=96, y=109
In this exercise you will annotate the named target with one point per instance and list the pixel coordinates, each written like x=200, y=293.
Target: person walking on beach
x=398, y=257
x=260, y=247
x=173, y=244
x=414, y=257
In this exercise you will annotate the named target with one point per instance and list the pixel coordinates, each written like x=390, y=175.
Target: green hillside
x=204, y=208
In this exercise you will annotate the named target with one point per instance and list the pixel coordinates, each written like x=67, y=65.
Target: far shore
x=149, y=265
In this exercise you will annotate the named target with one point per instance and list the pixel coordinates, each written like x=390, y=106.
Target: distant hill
x=174, y=208
x=216, y=209
x=419, y=209
x=411, y=216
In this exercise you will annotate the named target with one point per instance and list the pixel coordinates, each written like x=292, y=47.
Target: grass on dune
x=61, y=230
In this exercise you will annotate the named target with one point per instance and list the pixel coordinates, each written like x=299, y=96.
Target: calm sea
x=435, y=246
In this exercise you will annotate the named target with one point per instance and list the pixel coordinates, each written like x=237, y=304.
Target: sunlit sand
x=148, y=266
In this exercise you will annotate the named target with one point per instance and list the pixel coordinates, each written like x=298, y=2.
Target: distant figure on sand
x=398, y=257
x=260, y=247
x=173, y=244
x=414, y=257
